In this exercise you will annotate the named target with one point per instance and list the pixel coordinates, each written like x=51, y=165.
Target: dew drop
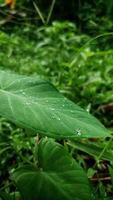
x=58, y=118
x=52, y=108
x=78, y=131
x=28, y=103
x=71, y=111
x=23, y=93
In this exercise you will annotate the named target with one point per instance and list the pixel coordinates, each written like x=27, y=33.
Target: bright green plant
x=51, y=173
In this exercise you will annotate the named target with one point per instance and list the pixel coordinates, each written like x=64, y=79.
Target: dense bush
x=80, y=68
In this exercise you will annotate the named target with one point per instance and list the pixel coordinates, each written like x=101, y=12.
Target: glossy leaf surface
x=36, y=104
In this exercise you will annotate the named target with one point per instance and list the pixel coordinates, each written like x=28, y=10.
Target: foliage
x=60, y=54
x=51, y=113
x=56, y=176
x=81, y=68
x=91, y=17
x=30, y=101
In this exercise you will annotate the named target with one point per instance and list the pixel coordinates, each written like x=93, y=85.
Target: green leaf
x=92, y=149
x=36, y=104
x=111, y=173
x=4, y=149
x=57, y=176
x=5, y=196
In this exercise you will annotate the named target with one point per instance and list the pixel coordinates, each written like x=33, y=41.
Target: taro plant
x=37, y=106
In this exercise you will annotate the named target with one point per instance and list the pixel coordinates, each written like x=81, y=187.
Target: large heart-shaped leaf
x=57, y=176
x=36, y=104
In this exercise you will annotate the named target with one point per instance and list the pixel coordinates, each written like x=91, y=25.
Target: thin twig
x=39, y=12
x=50, y=11
x=101, y=179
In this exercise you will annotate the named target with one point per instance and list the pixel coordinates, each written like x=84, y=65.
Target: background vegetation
x=71, y=44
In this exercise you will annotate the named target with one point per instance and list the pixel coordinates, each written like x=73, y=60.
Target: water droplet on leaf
x=28, y=103
x=52, y=108
x=78, y=131
x=23, y=93
x=58, y=118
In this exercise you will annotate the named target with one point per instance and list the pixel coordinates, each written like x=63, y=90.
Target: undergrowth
x=83, y=73
x=50, y=52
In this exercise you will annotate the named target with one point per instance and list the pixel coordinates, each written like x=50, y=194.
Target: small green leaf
x=91, y=172
x=91, y=149
x=4, y=149
x=36, y=104
x=57, y=176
